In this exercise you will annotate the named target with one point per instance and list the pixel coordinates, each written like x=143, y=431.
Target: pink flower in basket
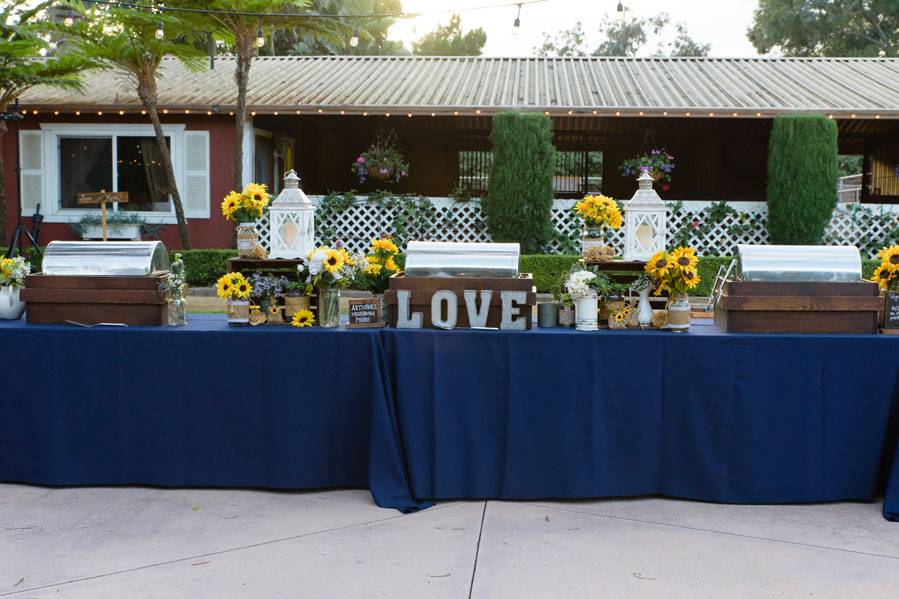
x=360, y=159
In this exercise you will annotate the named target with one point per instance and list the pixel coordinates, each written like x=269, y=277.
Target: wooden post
x=102, y=198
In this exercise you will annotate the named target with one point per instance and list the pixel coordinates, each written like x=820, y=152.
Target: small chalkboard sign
x=891, y=311
x=364, y=314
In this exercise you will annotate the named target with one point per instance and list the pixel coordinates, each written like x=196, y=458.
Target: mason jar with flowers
x=245, y=208
x=12, y=279
x=676, y=273
x=598, y=213
x=380, y=265
x=658, y=163
x=331, y=269
x=235, y=288
x=886, y=275
x=585, y=286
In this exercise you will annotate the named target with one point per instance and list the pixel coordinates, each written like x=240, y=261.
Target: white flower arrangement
x=13, y=271
x=579, y=284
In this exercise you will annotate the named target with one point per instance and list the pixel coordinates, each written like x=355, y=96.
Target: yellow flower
x=620, y=316
x=302, y=318
x=223, y=287
x=333, y=261
x=347, y=259
x=386, y=245
x=883, y=276
x=240, y=288
x=257, y=193
x=390, y=265
x=685, y=257
x=658, y=266
x=889, y=257
x=599, y=210
x=230, y=204
x=691, y=278
x=374, y=268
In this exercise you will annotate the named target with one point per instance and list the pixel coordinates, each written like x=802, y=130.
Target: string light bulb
x=260, y=38
x=354, y=41
x=160, y=30
x=517, y=22
x=70, y=18
x=620, y=7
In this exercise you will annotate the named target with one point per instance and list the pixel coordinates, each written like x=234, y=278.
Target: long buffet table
x=418, y=416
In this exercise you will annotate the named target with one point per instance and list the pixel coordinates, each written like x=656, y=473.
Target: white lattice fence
x=867, y=226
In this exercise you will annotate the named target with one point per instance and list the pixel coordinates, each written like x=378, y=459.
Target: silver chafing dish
x=445, y=259
x=799, y=263
x=105, y=258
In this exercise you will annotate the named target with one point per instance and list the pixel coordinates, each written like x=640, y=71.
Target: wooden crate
x=423, y=288
x=769, y=307
x=89, y=300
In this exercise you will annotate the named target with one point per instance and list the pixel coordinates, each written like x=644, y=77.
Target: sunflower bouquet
x=380, y=265
x=674, y=271
x=886, y=275
x=599, y=212
x=246, y=206
x=332, y=268
x=233, y=287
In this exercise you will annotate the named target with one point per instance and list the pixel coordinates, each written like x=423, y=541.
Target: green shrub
x=520, y=190
x=802, y=178
x=204, y=267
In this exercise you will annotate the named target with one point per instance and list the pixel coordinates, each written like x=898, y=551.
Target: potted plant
x=548, y=311
x=12, y=279
x=234, y=288
x=598, y=213
x=374, y=274
x=330, y=269
x=658, y=163
x=298, y=294
x=611, y=300
x=585, y=286
x=245, y=208
x=886, y=275
x=267, y=290
x=381, y=160
x=675, y=272
x=119, y=225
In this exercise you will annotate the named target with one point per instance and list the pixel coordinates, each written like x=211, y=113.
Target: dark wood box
x=423, y=288
x=768, y=307
x=94, y=299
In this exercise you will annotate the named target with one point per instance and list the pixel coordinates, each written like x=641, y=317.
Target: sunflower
x=620, y=316
x=302, y=318
x=385, y=245
x=258, y=193
x=884, y=277
x=347, y=258
x=659, y=265
x=889, y=257
x=334, y=260
x=224, y=287
x=691, y=278
x=374, y=268
x=685, y=258
x=230, y=204
x=240, y=288
x=390, y=265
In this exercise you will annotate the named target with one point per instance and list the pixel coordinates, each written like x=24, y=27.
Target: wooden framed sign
x=891, y=312
x=364, y=313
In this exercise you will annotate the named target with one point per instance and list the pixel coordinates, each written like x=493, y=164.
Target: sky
x=722, y=23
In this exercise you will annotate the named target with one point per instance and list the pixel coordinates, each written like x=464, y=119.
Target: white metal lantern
x=291, y=221
x=645, y=224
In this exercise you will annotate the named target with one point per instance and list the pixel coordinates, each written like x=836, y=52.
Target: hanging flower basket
x=382, y=173
x=658, y=163
x=381, y=161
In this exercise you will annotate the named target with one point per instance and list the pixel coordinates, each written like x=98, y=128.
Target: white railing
x=849, y=189
x=869, y=226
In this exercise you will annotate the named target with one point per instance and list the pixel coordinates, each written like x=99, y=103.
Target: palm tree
x=136, y=41
x=27, y=59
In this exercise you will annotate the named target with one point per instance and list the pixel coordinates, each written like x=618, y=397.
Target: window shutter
x=31, y=177
x=195, y=194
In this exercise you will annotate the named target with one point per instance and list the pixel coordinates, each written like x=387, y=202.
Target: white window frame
x=51, y=133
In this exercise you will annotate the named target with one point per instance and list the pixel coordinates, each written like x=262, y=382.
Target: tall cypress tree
x=802, y=178
x=520, y=191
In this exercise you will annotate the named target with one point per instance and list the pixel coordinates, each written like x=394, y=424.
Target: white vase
x=644, y=309
x=586, y=311
x=11, y=306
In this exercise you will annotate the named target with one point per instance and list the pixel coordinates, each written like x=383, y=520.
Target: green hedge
x=802, y=178
x=204, y=267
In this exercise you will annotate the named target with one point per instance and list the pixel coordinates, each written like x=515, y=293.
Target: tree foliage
x=827, y=27
x=565, y=43
x=373, y=31
x=448, y=40
x=520, y=189
x=802, y=178
x=29, y=56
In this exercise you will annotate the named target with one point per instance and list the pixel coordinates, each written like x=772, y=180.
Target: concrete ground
x=143, y=542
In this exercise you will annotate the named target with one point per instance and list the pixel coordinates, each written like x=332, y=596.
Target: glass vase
x=177, y=312
x=678, y=313
x=247, y=237
x=328, y=307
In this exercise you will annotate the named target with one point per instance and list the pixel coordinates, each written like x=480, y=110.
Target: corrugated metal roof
x=841, y=86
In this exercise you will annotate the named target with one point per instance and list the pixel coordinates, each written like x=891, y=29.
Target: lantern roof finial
x=291, y=195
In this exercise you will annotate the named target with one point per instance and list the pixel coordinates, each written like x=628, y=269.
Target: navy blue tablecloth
x=202, y=405
x=555, y=413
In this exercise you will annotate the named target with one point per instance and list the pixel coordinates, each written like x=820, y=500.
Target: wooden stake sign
x=364, y=314
x=102, y=198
